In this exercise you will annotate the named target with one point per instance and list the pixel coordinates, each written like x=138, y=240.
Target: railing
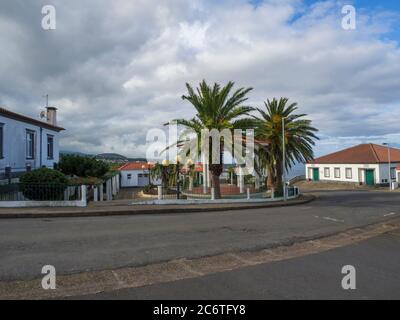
x=40, y=192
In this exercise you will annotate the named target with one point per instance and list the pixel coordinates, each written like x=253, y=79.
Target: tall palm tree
x=299, y=138
x=217, y=108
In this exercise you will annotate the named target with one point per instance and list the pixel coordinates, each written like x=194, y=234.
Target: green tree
x=299, y=139
x=82, y=166
x=217, y=108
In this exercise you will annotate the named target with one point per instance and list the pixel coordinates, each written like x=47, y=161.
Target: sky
x=116, y=69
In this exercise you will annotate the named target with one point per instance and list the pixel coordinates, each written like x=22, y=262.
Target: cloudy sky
x=117, y=68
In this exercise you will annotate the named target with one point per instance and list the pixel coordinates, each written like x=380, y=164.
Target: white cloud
x=117, y=70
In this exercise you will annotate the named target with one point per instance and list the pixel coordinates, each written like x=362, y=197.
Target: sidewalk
x=125, y=207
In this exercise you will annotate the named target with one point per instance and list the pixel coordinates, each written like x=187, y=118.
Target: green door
x=316, y=174
x=369, y=177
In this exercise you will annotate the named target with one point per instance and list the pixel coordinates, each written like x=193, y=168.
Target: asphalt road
x=81, y=244
x=376, y=262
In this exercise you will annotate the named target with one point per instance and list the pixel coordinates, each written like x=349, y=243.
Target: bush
x=148, y=188
x=83, y=166
x=43, y=184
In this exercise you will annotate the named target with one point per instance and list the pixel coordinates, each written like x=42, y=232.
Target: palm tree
x=299, y=139
x=217, y=108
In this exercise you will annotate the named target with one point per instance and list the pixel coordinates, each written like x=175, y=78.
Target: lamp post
x=283, y=159
x=178, y=160
x=390, y=171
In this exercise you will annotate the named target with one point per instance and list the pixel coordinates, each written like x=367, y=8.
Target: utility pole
x=390, y=171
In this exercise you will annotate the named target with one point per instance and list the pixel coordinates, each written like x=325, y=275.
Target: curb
x=130, y=212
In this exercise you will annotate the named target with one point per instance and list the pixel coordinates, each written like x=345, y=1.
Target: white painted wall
x=14, y=146
x=133, y=182
x=358, y=172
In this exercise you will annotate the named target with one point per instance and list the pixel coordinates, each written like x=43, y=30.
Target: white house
x=136, y=174
x=27, y=143
x=362, y=164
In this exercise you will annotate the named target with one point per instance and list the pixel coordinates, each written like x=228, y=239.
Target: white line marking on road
x=332, y=219
x=389, y=214
x=329, y=218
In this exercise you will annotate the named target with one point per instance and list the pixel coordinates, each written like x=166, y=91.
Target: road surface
x=73, y=245
x=376, y=262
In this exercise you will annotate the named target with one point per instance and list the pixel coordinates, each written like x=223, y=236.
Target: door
x=143, y=179
x=369, y=177
x=316, y=174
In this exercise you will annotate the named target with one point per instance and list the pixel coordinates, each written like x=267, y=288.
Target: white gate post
x=95, y=194
x=83, y=195
x=248, y=193
x=212, y=193
x=159, y=192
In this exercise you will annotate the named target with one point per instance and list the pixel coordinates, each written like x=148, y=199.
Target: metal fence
x=40, y=192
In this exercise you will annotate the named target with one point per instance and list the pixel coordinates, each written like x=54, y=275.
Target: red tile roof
x=135, y=166
x=20, y=117
x=362, y=153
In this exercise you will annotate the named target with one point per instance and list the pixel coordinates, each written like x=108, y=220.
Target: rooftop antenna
x=47, y=100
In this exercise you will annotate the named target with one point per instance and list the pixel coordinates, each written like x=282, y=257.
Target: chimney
x=52, y=115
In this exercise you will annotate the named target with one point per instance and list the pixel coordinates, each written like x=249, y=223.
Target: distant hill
x=75, y=153
x=111, y=156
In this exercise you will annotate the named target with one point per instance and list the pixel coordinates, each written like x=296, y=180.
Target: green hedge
x=43, y=185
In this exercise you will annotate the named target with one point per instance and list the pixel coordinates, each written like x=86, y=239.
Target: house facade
x=27, y=143
x=136, y=174
x=362, y=164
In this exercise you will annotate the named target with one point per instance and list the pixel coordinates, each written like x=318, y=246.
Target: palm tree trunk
x=278, y=178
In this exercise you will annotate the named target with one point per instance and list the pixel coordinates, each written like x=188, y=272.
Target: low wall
x=24, y=204
x=50, y=203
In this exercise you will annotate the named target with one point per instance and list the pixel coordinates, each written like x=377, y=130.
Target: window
x=349, y=173
x=50, y=147
x=337, y=172
x=129, y=176
x=140, y=175
x=393, y=173
x=1, y=141
x=327, y=172
x=30, y=144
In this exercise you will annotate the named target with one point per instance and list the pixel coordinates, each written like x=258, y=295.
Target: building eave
x=19, y=117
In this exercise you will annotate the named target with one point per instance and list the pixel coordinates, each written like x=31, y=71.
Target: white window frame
x=327, y=172
x=1, y=140
x=334, y=173
x=50, y=147
x=351, y=173
x=393, y=174
x=30, y=144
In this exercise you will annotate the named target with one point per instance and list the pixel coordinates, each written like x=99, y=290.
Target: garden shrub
x=43, y=184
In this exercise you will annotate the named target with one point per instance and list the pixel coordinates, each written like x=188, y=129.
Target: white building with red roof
x=136, y=174
x=362, y=164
